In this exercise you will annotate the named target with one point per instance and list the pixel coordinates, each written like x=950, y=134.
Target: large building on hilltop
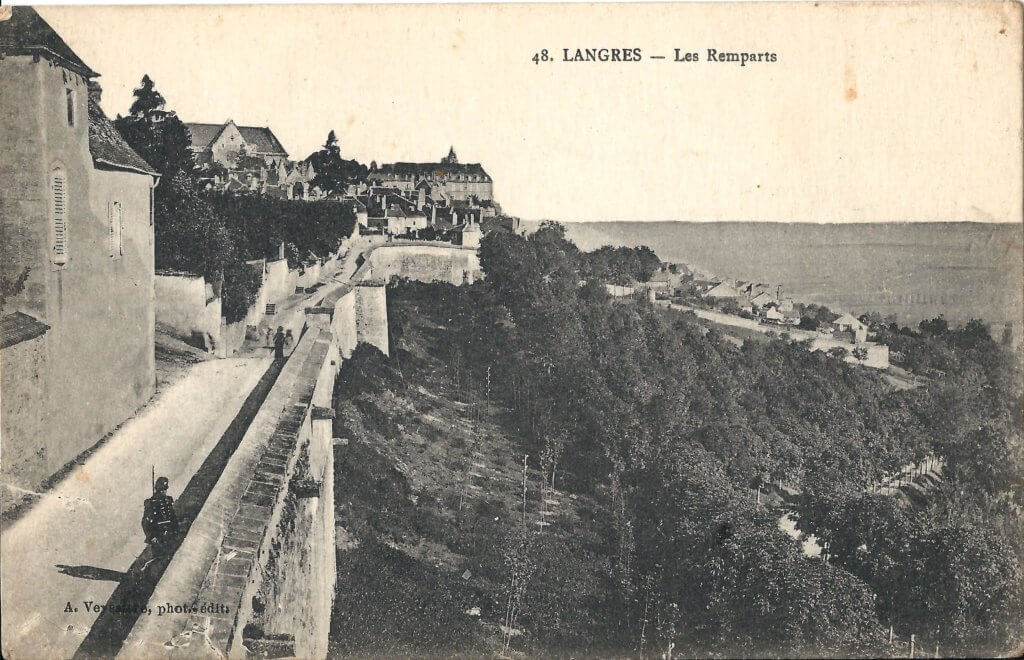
x=76, y=302
x=226, y=143
x=446, y=179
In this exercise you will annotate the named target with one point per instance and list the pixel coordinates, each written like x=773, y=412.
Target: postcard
x=512, y=330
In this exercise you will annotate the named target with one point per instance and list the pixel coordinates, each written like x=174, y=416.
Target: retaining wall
x=185, y=306
x=263, y=543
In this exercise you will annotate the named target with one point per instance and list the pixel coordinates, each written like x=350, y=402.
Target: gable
x=229, y=139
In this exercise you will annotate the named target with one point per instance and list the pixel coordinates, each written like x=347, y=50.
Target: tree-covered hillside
x=676, y=430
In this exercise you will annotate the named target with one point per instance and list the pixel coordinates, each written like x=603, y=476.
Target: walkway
x=77, y=543
x=67, y=556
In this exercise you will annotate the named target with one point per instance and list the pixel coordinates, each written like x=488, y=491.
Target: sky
x=870, y=113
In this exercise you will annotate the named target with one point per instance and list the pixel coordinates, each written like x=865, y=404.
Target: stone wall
x=260, y=538
x=263, y=543
x=371, y=314
x=186, y=308
x=423, y=262
x=280, y=281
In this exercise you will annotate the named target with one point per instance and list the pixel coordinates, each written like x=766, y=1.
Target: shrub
x=241, y=286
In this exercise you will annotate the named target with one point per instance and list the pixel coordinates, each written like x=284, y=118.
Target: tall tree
x=155, y=134
x=334, y=173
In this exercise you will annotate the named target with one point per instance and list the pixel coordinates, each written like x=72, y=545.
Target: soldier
x=159, y=521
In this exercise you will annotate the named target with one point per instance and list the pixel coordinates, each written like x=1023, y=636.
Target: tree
x=157, y=135
x=334, y=173
x=837, y=352
x=935, y=327
x=147, y=99
x=860, y=354
x=808, y=323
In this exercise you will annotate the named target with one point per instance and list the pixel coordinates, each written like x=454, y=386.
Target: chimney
x=95, y=92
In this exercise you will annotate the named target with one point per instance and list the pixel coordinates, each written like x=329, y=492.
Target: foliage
x=241, y=286
x=678, y=425
x=157, y=135
x=334, y=173
x=260, y=224
x=621, y=265
x=12, y=286
x=190, y=235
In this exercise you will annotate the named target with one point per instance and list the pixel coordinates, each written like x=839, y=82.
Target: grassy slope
x=429, y=493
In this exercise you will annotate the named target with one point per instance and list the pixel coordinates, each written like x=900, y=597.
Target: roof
x=848, y=319
x=204, y=134
x=27, y=33
x=260, y=139
x=446, y=170
x=17, y=327
x=109, y=148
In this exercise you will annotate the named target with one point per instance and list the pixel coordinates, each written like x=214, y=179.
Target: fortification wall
x=371, y=314
x=186, y=307
x=426, y=263
x=280, y=281
x=263, y=543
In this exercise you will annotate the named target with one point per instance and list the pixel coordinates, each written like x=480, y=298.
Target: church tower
x=451, y=158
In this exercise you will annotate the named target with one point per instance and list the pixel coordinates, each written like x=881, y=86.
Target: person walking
x=289, y=341
x=279, y=343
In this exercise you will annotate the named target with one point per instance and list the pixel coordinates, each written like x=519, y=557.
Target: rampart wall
x=263, y=543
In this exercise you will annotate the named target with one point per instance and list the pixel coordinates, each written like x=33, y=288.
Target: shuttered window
x=115, y=226
x=59, y=215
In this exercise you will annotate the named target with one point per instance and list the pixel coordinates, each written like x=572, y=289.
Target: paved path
x=76, y=543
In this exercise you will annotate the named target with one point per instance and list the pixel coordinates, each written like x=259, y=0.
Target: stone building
x=250, y=159
x=226, y=143
x=446, y=179
x=76, y=209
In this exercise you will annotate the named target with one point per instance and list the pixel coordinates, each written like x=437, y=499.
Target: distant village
x=397, y=199
x=761, y=307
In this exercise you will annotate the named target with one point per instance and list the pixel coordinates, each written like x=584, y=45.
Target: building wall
x=225, y=148
x=95, y=366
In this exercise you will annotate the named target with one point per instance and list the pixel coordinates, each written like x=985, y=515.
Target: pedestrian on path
x=289, y=341
x=279, y=343
x=270, y=334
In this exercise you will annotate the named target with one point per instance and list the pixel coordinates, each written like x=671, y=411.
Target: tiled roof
x=109, y=148
x=27, y=33
x=446, y=170
x=260, y=139
x=203, y=134
x=17, y=327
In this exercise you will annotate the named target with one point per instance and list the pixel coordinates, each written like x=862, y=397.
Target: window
x=59, y=216
x=69, y=96
x=114, y=222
